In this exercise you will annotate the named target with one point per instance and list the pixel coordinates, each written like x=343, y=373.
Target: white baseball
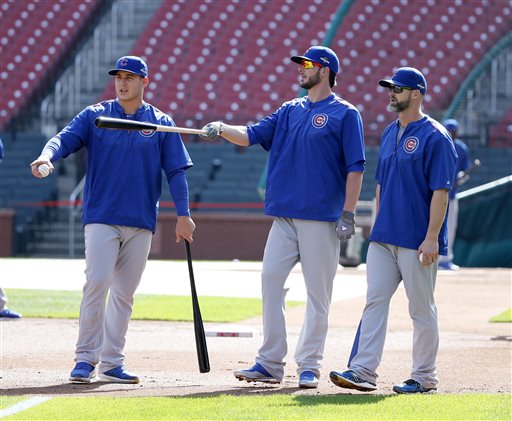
x=420, y=257
x=44, y=170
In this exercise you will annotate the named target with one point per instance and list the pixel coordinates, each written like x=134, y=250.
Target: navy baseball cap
x=321, y=55
x=408, y=77
x=451, y=125
x=132, y=64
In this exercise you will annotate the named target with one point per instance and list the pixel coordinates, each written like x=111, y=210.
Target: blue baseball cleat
x=350, y=380
x=412, y=386
x=82, y=373
x=308, y=380
x=9, y=314
x=118, y=375
x=256, y=373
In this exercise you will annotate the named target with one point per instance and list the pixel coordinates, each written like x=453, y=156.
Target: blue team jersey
x=463, y=163
x=408, y=172
x=124, y=168
x=313, y=146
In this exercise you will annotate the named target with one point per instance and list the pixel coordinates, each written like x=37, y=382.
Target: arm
x=353, y=190
x=346, y=224
x=234, y=134
x=178, y=186
x=430, y=246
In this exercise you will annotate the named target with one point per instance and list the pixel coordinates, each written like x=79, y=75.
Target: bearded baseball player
x=121, y=194
x=415, y=171
x=315, y=172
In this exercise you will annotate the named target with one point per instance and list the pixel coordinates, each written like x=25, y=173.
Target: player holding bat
x=315, y=171
x=122, y=190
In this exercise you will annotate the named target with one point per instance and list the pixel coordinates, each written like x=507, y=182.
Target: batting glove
x=213, y=130
x=346, y=225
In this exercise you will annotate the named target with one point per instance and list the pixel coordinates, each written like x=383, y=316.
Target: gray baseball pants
x=386, y=267
x=115, y=258
x=3, y=300
x=316, y=246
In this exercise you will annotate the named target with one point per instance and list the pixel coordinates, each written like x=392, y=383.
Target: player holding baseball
x=121, y=194
x=415, y=172
x=315, y=172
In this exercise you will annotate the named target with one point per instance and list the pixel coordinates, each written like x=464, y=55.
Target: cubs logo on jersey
x=147, y=132
x=411, y=144
x=319, y=120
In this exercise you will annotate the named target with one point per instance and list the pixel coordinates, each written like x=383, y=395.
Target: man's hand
x=213, y=130
x=40, y=161
x=185, y=228
x=429, y=248
x=346, y=225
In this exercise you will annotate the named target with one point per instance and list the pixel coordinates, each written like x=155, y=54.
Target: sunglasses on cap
x=399, y=89
x=308, y=64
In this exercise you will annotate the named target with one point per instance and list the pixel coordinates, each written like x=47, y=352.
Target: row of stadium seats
x=230, y=60
x=34, y=36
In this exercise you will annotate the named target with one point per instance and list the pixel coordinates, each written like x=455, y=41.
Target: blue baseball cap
x=408, y=77
x=132, y=64
x=451, y=125
x=321, y=55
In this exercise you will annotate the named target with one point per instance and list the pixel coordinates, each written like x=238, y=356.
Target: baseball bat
x=465, y=176
x=202, y=350
x=121, y=124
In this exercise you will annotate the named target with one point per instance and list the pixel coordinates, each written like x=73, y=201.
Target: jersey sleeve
x=353, y=141
x=71, y=138
x=174, y=154
x=263, y=132
x=440, y=163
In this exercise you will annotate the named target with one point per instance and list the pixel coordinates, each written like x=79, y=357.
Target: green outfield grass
x=505, y=317
x=66, y=304
x=275, y=407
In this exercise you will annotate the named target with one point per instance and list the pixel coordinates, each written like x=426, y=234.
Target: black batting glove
x=345, y=226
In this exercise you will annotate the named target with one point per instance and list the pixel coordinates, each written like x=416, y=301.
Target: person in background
x=5, y=313
x=463, y=166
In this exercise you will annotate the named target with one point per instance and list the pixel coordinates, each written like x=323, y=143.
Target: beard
x=312, y=81
x=398, y=106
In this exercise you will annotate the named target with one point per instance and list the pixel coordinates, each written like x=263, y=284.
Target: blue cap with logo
x=408, y=77
x=321, y=55
x=132, y=64
x=451, y=125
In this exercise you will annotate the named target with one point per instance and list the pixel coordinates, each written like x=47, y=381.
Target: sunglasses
x=308, y=64
x=399, y=89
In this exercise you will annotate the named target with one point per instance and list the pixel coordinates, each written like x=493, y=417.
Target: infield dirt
x=474, y=356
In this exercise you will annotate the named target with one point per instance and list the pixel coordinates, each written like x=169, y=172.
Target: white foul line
x=23, y=405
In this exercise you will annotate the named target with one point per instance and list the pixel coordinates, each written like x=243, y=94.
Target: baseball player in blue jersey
x=462, y=167
x=121, y=194
x=415, y=172
x=315, y=172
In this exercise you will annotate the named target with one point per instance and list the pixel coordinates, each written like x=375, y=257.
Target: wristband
x=348, y=214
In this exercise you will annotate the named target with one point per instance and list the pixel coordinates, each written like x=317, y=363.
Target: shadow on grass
x=64, y=389
x=301, y=399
